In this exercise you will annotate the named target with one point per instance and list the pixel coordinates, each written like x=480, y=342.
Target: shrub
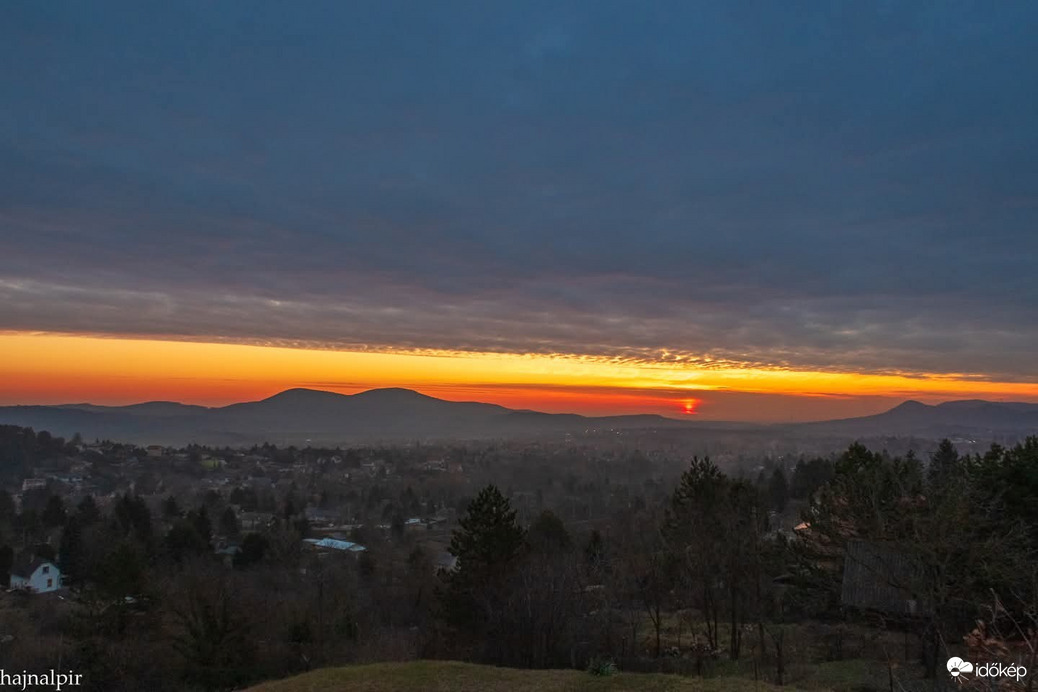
x=602, y=667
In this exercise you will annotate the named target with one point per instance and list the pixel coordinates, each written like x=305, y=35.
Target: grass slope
x=449, y=676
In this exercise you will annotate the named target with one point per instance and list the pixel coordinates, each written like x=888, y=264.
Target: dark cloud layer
x=852, y=186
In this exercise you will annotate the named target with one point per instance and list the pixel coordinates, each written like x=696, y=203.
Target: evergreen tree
x=70, y=552
x=7, y=508
x=54, y=513
x=170, y=509
x=778, y=490
x=548, y=534
x=229, y=524
x=6, y=564
x=87, y=512
x=489, y=536
x=122, y=571
x=133, y=516
x=944, y=462
x=253, y=548
x=594, y=551
x=199, y=519
x=487, y=545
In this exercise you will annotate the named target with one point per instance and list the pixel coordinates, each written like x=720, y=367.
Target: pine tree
x=87, y=512
x=778, y=490
x=487, y=546
x=54, y=513
x=943, y=464
x=489, y=536
x=548, y=534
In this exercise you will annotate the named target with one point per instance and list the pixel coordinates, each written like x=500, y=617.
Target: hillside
x=299, y=416
x=449, y=676
x=307, y=416
x=971, y=418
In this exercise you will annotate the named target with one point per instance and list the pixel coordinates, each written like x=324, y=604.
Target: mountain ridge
x=396, y=414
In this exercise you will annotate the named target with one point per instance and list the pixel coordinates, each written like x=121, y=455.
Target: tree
x=809, y=476
x=211, y=630
x=199, y=519
x=70, y=552
x=594, y=552
x=7, y=507
x=714, y=526
x=778, y=490
x=647, y=569
x=487, y=545
x=870, y=497
x=87, y=511
x=489, y=536
x=548, y=534
x=965, y=538
x=184, y=539
x=122, y=571
x=6, y=564
x=54, y=513
x=229, y=524
x=253, y=548
x=170, y=509
x=944, y=463
x=695, y=532
x=133, y=516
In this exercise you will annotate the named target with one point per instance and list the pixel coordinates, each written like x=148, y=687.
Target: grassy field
x=448, y=676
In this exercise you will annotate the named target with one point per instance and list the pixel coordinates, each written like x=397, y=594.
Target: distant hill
x=971, y=419
x=298, y=416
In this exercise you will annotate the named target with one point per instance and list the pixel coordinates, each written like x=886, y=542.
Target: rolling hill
x=301, y=416
x=969, y=419
x=297, y=416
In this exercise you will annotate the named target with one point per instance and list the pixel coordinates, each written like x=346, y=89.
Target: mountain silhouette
x=969, y=418
x=301, y=416
x=298, y=416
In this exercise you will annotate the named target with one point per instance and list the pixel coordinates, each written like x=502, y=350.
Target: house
x=36, y=575
x=414, y=524
x=251, y=521
x=333, y=544
x=446, y=562
x=321, y=517
x=227, y=553
x=883, y=578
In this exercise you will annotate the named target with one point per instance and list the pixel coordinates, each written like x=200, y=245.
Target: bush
x=602, y=667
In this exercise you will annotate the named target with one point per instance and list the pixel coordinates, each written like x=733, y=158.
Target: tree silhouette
x=489, y=536
x=487, y=545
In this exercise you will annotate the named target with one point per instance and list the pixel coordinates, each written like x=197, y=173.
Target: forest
x=898, y=560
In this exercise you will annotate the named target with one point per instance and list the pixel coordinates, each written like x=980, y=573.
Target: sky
x=733, y=210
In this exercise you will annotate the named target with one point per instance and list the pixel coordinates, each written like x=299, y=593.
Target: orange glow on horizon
x=55, y=368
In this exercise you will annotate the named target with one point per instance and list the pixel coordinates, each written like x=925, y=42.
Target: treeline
x=23, y=448
x=955, y=537
x=714, y=560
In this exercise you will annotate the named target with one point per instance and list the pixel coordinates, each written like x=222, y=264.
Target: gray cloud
x=843, y=188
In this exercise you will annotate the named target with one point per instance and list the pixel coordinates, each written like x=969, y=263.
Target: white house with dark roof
x=38, y=576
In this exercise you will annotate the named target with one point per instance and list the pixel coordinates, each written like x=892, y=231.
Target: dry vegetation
x=433, y=676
